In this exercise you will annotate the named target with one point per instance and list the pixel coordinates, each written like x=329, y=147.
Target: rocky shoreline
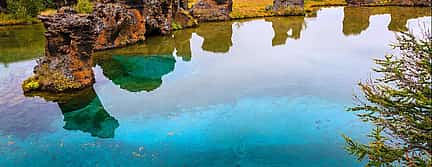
x=72, y=37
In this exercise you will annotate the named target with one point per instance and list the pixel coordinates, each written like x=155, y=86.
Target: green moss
x=176, y=26
x=30, y=84
x=52, y=80
x=62, y=83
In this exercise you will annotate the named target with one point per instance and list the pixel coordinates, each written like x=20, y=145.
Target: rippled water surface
x=263, y=92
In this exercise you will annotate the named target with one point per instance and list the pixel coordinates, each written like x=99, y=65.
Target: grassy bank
x=241, y=9
x=257, y=8
x=7, y=19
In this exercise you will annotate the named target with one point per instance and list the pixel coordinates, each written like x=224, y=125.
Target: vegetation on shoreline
x=399, y=104
x=262, y=8
x=84, y=6
x=25, y=11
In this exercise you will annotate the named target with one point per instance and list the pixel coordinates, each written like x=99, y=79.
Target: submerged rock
x=212, y=10
x=67, y=64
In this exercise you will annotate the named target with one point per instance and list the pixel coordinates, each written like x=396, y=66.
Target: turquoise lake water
x=269, y=92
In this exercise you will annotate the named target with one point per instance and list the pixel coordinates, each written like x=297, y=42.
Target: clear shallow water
x=264, y=92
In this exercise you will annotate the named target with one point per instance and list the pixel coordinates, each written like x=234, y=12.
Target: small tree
x=400, y=106
x=25, y=8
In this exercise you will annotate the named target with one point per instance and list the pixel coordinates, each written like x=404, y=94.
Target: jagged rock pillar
x=212, y=10
x=288, y=7
x=67, y=64
x=158, y=16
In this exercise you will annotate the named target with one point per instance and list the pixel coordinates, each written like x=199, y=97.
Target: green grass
x=7, y=19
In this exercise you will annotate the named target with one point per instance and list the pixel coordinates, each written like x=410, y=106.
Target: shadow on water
x=20, y=43
x=356, y=19
x=83, y=111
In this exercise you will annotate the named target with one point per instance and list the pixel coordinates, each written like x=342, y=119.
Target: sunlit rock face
x=67, y=64
x=212, y=10
x=121, y=26
x=390, y=2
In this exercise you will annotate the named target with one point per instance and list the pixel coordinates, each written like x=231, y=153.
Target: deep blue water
x=264, y=92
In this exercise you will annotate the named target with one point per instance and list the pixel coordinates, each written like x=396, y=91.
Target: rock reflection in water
x=136, y=73
x=286, y=27
x=217, y=36
x=83, y=111
x=20, y=43
x=356, y=19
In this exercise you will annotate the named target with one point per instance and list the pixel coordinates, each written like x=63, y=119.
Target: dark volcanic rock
x=62, y=3
x=3, y=6
x=212, y=10
x=120, y=26
x=158, y=15
x=67, y=64
x=282, y=4
x=288, y=7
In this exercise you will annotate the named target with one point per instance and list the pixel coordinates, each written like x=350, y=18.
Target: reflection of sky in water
x=250, y=105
